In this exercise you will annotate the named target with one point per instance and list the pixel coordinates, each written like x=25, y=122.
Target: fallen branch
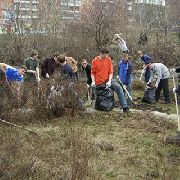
x=15, y=125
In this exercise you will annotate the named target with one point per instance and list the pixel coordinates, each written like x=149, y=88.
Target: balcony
x=27, y=2
x=27, y=17
x=27, y=9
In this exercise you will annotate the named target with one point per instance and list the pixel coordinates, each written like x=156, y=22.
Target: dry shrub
x=82, y=150
x=47, y=103
x=138, y=86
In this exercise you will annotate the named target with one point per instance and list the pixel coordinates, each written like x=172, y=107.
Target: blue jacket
x=125, y=71
x=66, y=71
x=12, y=74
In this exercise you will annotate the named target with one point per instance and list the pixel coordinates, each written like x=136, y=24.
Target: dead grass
x=91, y=146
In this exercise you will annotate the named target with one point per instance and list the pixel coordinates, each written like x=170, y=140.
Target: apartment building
x=26, y=9
x=70, y=9
x=7, y=16
x=155, y=2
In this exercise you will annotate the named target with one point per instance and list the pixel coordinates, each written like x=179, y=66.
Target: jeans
x=118, y=89
x=128, y=87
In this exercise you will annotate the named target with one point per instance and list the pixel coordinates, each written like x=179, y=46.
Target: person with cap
x=125, y=73
x=146, y=71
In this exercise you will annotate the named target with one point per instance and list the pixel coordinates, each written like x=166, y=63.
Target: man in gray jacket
x=161, y=72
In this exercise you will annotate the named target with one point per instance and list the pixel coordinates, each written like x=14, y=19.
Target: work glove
x=108, y=84
x=156, y=85
x=172, y=71
x=47, y=75
x=174, y=90
x=93, y=84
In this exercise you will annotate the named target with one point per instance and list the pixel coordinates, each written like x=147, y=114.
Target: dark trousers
x=147, y=75
x=163, y=85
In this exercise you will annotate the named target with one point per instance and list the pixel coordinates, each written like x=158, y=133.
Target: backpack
x=104, y=99
x=149, y=95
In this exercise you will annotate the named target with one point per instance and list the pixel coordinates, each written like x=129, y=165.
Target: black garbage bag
x=104, y=99
x=149, y=95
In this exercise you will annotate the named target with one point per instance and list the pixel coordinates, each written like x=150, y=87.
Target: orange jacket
x=101, y=69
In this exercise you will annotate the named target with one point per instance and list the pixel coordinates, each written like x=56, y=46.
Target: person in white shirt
x=162, y=73
x=122, y=44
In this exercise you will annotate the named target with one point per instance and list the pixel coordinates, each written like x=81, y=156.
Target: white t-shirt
x=122, y=45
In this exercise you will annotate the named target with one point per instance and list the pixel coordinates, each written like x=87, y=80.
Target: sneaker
x=126, y=110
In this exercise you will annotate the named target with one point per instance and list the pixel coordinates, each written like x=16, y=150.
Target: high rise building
x=7, y=16
x=70, y=9
x=155, y=2
x=26, y=9
x=26, y=13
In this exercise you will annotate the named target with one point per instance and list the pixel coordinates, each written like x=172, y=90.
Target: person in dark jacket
x=49, y=66
x=146, y=59
x=125, y=73
x=87, y=68
x=66, y=69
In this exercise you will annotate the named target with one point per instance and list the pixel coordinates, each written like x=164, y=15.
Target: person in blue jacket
x=66, y=70
x=12, y=73
x=146, y=59
x=14, y=76
x=125, y=73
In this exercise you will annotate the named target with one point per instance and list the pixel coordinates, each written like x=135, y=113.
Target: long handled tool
x=176, y=139
x=15, y=125
x=125, y=89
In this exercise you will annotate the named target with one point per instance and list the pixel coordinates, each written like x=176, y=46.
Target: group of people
x=98, y=73
x=101, y=72
x=28, y=75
